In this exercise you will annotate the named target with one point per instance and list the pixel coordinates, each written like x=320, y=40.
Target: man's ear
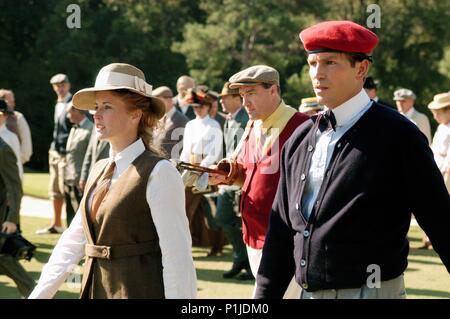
x=362, y=69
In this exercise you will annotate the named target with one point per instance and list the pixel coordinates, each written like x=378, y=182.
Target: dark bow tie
x=327, y=120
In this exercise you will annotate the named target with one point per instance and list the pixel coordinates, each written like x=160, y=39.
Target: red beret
x=341, y=36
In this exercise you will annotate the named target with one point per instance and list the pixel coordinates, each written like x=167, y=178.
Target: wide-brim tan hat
x=118, y=76
x=440, y=101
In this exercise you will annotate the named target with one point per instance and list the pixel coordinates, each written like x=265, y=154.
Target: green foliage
x=209, y=39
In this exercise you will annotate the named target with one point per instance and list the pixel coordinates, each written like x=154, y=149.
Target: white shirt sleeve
x=26, y=146
x=187, y=143
x=212, y=146
x=67, y=253
x=165, y=196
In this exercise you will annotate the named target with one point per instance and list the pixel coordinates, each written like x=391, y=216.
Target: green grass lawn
x=426, y=277
x=35, y=183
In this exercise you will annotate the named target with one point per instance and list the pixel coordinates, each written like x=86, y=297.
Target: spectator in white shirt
x=9, y=137
x=135, y=238
x=17, y=124
x=440, y=107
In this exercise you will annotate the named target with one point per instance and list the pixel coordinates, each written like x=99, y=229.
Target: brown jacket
x=123, y=257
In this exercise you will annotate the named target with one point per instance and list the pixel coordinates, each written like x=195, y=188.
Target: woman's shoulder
x=165, y=170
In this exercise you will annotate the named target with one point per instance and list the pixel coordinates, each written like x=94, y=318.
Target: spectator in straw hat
x=440, y=107
x=337, y=174
x=131, y=224
x=310, y=106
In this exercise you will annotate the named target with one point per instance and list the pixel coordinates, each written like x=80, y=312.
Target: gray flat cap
x=162, y=91
x=403, y=94
x=254, y=75
x=59, y=78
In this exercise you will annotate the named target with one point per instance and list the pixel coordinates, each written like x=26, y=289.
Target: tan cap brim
x=436, y=106
x=85, y=99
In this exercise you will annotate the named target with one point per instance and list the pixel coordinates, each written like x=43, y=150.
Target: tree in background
x=210, y=40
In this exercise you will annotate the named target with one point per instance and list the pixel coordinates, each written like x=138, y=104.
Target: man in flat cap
x=227, y=210
x=310, y=106
x=371, y=87
x=171, y=130
x=56, y=155
x=342, y=211
x=405, y=99
x=257, y=156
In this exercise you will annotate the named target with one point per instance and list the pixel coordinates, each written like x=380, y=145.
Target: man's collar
x=347, y=110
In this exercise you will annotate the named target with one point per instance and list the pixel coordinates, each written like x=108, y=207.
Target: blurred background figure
x=77, y=144
x=405, y=100
x=310, y=106
x=440, y=107
x=9, y=137
x=227, y=214
x=184, y=83
x=214, y=112
x=57, y=153
x=10, y=198
x=17, y=124
x=170, y=130
x=371, y=87
x=202, y=145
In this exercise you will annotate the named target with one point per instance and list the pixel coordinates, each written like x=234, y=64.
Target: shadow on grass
x=9, y=292
x=425, y=262
x=214, y=275
x=422, y=252
x=428, y=293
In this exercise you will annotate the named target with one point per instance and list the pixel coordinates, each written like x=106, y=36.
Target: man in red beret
x=349, y=180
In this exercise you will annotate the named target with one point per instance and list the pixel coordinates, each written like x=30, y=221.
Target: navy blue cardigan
x=381, y=171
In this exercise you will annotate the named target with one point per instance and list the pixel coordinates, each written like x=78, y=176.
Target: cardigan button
x=310, y=148
x=302, y=177
x=303, y=263
x=306, y=233
x=304, y=285
x=297, y=206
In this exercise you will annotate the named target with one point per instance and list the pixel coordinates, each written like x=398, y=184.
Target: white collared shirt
x=61, y=106
x=202, y=140
x=441, y=147
x=409, y=113
x=346, y=114
x=13, y=141
x=165, y=197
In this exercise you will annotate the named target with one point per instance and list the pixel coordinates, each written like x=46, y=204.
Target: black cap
x=4, y=107
x=370, y=83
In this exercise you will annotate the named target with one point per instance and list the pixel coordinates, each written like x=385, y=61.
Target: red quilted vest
x=260, y=184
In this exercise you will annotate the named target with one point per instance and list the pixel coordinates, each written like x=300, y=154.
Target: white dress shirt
x=202, y=140
x=165, y=197
x=346, y=114
x=441, y=147
x=13, y=141
x=26, y=146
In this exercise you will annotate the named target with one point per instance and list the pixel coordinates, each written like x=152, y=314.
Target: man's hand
x=9, y=227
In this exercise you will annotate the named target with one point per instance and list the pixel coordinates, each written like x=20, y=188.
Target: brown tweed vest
x=123, y=257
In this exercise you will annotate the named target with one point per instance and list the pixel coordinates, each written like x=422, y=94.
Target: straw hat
x=118, y=76
x=440, y=101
